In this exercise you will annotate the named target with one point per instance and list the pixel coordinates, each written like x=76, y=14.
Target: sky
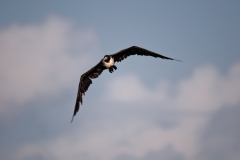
x=148, y=108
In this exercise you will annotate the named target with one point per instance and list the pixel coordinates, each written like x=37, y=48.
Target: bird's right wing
x=85, y=82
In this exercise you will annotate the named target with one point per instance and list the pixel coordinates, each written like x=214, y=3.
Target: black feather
x=94, y=72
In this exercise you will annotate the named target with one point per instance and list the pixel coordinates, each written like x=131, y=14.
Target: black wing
x=85, y=82
x=134, y=50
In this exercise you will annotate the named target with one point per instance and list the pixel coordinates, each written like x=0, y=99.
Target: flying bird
x=108, y=62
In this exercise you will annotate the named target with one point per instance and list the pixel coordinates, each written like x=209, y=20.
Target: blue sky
x=148, y=109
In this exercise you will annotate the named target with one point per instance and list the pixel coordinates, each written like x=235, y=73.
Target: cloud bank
x=42, y=59
x=190, y=103
x=194, y=118
x=206, y=90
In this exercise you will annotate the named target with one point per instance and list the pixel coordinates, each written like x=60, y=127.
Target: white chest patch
x=109, y=64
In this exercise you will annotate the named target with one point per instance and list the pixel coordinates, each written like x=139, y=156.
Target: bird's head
x=106, y=58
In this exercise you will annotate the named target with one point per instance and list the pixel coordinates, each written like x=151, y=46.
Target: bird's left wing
x=134, y=50
x=85, y=82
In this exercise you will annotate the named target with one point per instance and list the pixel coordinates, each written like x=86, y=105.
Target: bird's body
x=108, y=63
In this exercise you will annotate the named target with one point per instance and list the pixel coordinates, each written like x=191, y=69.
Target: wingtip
x=73, y=115
x=77, y=106
x=178, y=60
x=72, y=120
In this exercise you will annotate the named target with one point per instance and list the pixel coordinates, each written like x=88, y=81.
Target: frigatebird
x=108, y=62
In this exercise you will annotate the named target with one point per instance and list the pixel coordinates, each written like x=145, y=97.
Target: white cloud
x=130, y=89
x=138, y=136
x=42, y=59
x=206, y=90
x=209, y=90
x=134, y=137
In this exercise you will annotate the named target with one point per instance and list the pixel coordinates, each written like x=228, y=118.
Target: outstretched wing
x=85, y=82
x=134, y=50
